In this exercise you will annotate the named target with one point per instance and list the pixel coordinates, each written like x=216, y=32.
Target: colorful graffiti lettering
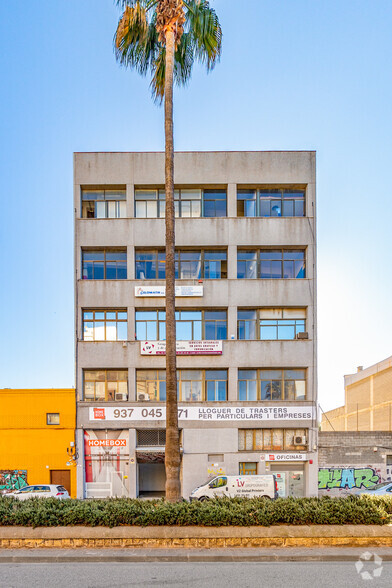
x=12, y=480
x=347, y=478
x=214, y=470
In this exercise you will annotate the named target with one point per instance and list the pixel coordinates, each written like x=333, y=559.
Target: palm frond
x=203, y=23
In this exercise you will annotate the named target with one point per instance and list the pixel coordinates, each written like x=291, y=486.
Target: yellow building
x=37, y=438
x=368, y=401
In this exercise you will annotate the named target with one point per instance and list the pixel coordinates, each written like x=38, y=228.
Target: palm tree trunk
x=172, y=454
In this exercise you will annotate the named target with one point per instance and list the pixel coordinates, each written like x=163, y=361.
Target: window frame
x=242, y=322
x=280, y=192
x=104, y=322
x=49, y=416
x=160, y=321
x=105, y=261
x=243, y=470
x=283, y=251
x=181, y=381
x=268, y=443
x=283, y=380
x=105, y=199
x=106, y=381
x=181, y=201
x=159, y=256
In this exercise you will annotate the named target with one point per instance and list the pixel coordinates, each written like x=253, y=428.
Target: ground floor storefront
x=130, y=462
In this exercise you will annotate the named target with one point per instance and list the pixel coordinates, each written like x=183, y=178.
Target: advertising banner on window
x=182, y=347
x=198, y=413
x=106, y=454
x=160, y=291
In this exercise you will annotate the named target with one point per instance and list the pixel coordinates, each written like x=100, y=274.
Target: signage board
x=107, y=442
x=182, y=347
x=160, y=291
x=207, y=413
x=284, y=457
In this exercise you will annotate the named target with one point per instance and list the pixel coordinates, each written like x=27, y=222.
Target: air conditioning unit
x=299, y=440
x=143, y=397
x=303, y=335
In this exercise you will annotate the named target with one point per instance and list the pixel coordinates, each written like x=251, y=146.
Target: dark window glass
x=214, y=203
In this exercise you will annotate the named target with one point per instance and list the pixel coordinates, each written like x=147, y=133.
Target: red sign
x=271, y=457
x=107, y=442
x=99, y=413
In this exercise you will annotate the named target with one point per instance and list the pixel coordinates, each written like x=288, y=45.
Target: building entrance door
x=290, y=478
x=61, y=478
x=152, y=479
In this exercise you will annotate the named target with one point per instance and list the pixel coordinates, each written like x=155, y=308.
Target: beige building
x=368, y=401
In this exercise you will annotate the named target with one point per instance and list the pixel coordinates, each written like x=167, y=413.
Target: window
x=151, y=385
x=264, y=384
x=103, y=203
x=104, y=264
x=190, y=264
x=104, y=325
x=151, y=437
x=218, y=482
x=271, y=324
x=270, y=264
x=188, y=203
x=105, y=385
x=271, y=439
x=247, y=468
x=191, y=325
x=192, y=385
x=52, y=418
x=271, y=202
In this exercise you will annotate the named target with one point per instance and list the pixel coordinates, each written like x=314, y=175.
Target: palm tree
x=164, y=38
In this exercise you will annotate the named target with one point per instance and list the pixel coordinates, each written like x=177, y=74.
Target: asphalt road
x=193, y=575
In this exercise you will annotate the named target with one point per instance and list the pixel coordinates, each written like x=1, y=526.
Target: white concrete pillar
x=232, y=200
x=133, y=481
x=130, y=201
x=232, y=262
x=232, y=323
x=232, y=395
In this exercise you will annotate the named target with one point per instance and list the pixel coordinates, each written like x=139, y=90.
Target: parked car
x=40, y=491
x=246, y=486
x=384, y=489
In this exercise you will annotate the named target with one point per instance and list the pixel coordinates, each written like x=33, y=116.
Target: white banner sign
x=182, y=347
x=198, y=413
x=160, y=291
x=284, y=457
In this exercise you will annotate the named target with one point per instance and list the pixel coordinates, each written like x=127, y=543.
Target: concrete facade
x=209, y=444
x=352, y=461
x=368, y=401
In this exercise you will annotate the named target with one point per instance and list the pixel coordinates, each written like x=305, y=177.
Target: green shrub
x=243, y=512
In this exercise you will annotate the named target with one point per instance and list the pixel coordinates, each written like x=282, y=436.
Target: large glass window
x=105, y=385
x=269, y=324
x=151, y=385
x=191, y=325
x=247, y=468
x=104, y=264
x=271, y=202
x=192, y=385
x=270, y=263
x=104, y=325
x=188, y=203
x=271, y=384
x=103, y=203
x=150, y=264
x=272, y=439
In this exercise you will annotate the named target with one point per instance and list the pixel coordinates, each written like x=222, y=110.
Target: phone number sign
x=197, y=413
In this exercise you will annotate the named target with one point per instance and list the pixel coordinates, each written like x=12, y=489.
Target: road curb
x=185, y=558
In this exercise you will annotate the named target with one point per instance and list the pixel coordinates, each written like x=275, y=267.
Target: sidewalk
x=41, y=555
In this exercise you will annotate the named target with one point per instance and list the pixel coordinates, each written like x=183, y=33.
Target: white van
x=247, y=486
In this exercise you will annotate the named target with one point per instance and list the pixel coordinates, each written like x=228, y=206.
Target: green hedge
x=243, y=512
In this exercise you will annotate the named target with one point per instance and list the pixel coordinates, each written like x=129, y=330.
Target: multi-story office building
x=246, y=319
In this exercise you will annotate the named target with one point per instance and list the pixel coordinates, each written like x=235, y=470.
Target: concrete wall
x=350, y=461
x=230, y=170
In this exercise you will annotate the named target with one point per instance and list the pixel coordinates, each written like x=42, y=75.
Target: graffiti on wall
x=215, y=470
x=12, y=480
x=347, y=478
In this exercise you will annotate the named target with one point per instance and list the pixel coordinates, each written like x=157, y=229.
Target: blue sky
x=303, y=74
